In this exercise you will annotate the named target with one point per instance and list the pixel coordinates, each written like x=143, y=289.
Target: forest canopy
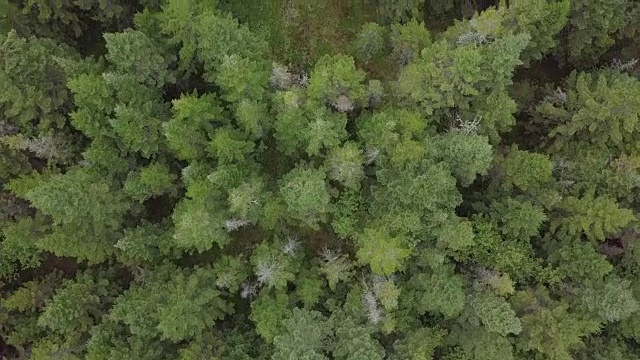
x=288, y=179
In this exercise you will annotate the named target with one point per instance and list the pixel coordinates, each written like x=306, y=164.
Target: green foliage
x=94, y=98
x=441, y=292
x=426, y=190
x=325, y=131
x=610, y=301
x=138, y=128
x=153, y=180
x=580, y=261
x=19, y=245
x=305, y=332
x=241, y=78
x=542, y=20
x=133, y=52
x=228, y=146
x=336, y=268
x=408, y=40
x=555, y=332
x=592, y=29
x=370, y=42
x=175, y=305
x=515, y=257
x=74, y=307
x=73, y=18
x=34, y=96
x=80, y=198
x=335, y=76
x=382, y=252
x=519, y=219
x=595, y=217
x=310, y=287
x=477, y=343
x=467, y=155
x=268, y=313
x=456, y=235
x=146, y=243
x=220, y=37
x=355, y=341
x=495, y=314
x=201, y=187
x=448, y=75
x=187, y=131
x=345, y=214
x=600, y=108
x=400, y=11
x=271, y=266
x=526, y=170
x=421, y=344
x=198, y=227
x=305, y=193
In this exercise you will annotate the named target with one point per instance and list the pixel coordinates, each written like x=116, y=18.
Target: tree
x=465, y=75
x=519, y=219
x=268, y=313
x=19, y=248
x=456, y=235
x=146, y=243
x=554, y=331
x=370, y=41
x=272, y=267
x=304, y=336
x=420, y=344
x=382, y=252
x=76, y=305
x=345, y=165
x=354, y=341
x=171, y=304
x=592, y=29
x=242, y=78
x=336, y=267
x=35, y=92
x=78, y=197
x=609, y=301
x=595, y=217
x=198, y=227
x=526, y=170
x=427, y=190
x=153, y=180
x=238, y=40
x=494, y=313
x=147, y=63
x=188, y=130
x=542, y=20
x=85, y=211
x=580, y=261
x=305, y=193
x=228, y=145
x=21, y=307
x=480, y=344
x=441, y=292
x=408, y=40
x=394, y=11
x=138, y=128
x=467, y=155
x=70, y=19
x=591, y=101
x=188, y=188
x=334, y=77
x=290, y=122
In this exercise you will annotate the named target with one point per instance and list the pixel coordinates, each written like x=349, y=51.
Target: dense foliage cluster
x=181, y=179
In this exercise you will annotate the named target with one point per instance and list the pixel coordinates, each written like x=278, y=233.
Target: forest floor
x=301, y=31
